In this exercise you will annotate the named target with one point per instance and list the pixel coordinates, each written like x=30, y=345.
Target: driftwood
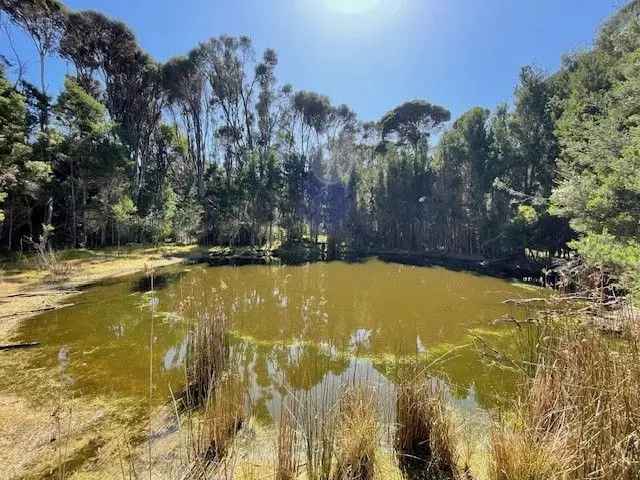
x=13, y=346
x=522, y=301
x=39, y=294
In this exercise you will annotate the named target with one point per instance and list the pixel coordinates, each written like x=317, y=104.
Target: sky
x=370, y=54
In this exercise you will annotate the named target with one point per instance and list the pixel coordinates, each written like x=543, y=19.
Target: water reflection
x=303, y=329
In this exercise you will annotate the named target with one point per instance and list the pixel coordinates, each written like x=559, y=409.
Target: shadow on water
x=160, y=281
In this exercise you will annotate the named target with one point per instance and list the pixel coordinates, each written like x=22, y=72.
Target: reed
x=287, y=443
x=425, y=439
x=581, y=410
x=319, y=431
x=207, y=356
x=224, y=415
x=358, y=435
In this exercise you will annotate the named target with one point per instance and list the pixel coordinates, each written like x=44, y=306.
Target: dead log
x=14, y=346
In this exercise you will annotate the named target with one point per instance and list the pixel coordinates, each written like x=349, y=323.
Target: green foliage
x=599, y=132
x=413, y=121
x=526, y=215
x=123, y=210
x=21, y=175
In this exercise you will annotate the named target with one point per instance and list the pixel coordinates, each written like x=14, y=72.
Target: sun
x=353, y=7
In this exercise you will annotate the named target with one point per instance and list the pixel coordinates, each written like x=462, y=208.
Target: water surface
x=297, y=328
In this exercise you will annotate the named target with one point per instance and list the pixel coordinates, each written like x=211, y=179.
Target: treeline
x=209, y=146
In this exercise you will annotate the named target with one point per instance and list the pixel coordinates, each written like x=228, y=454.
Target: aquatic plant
x=287, y=443
x=425, y=436
x=357, y=439
x=580, y=411
x=207, y=355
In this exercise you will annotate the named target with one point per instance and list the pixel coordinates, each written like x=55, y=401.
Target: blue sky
x=371, y=54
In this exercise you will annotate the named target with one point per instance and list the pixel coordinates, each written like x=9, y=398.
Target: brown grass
x=319, y=432
x=425, y=437
x=287, y=444
x=581, y=412
x=224, y=414
x=358, y=435
x=215, y=389
x=207, y=356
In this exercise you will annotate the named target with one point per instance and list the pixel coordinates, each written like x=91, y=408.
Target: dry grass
x=358, y=435
x=319, y=432
x=224, y=414
x=425, y=439
x=214, y=387
x=580, y=415
x=518, y=454
x=287, y=444
x=207, y=356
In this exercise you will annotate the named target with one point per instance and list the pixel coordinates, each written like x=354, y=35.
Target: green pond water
x=293, y=329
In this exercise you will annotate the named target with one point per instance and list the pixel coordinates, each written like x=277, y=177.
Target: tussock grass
x=318, y=420
x=358, y=435
x=425, y=439
x=580, y=415
x=217, y=390
x=519, y=454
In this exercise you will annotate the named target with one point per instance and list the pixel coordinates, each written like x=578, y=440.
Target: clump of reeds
x=580, y=415
x=358, y=435
x=224, y=414
x=215, y=396
x=425, y=435
x=318, y=421
x=207, y=356
x=287, y=444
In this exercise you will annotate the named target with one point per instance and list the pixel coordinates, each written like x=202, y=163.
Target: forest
x=212, y=147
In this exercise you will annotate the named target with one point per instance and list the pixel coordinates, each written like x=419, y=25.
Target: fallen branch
x=520, y=301
x=13, y=346
x=47, y=292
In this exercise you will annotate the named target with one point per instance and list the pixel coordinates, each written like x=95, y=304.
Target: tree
x=413, y=122
x=87, y=145
x=21, y=177
x=43, y=21
x=106, y=50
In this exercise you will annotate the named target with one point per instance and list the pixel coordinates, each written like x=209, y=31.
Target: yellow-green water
x=296, y=328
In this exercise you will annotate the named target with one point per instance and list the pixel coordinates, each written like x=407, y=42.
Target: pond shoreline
x=513, y=267
x=29, y=291
x=21, y=301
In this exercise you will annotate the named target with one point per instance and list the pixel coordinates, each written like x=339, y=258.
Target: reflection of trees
x=464, y=371
x=260, y=410
x=306, y=365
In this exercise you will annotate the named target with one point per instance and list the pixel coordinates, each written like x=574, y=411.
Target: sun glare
x=354, y=7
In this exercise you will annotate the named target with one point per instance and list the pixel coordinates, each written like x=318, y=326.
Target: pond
x=298, y=328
